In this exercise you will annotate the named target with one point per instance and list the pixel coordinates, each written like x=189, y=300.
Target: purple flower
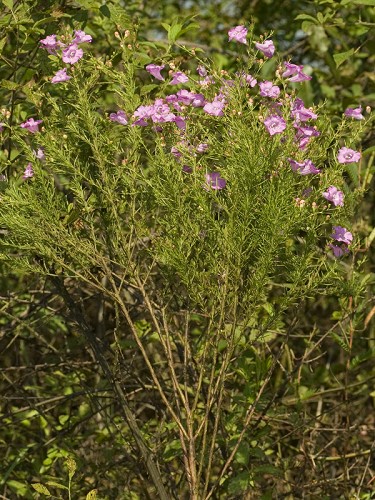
x=354, y=113
x=154, y=70
x=72, y=54
x=142, y=113
x=295, y=72
x=214, y=181
x=347, y=155
x=342, y=234
x=275, y=124
x=119, y=117
x=176, y=152
x=81, y=37
x=2, y=126
x=335, y=196
x=300, y=113
x=39, y=154
x=178, y=77
x=305, y=168
x=238, y=34
x=267, y=48
x=29, y=172
x=201, y=70
x=202, y=148
x=50, y=44
x=171, y=98
x=250, y=80
x=198, y=101
x=214, y=108
x=180, y=122
x=207, y=80
x=159, y=112
x=307, y=192
x=31, y=125
x=267, y=89
x=339, y=251
x=60, y=76
x=304, y=134
x=185, y=96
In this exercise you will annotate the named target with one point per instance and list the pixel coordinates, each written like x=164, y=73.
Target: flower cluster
x=71, y=52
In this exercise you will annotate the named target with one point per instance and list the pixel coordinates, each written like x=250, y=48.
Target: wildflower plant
x=214, y=201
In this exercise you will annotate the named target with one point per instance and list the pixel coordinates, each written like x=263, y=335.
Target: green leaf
x=19, y=488
x=174, y=32
x=8, y=3
x=364, y=2
x=239, y=483
x=146, y=89
x=368, y=151
x=306, y=17
x=242, y=454
x=190, y=27
x=57, y=485
x=40, y=488
x=105, y=11
x=341, y=57
x=2, y=43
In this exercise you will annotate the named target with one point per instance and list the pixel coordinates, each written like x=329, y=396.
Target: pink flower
x=178, y=77
x=335, y=196
x=354, y=113
x=72, y=54
x=29, y=172
x=214, y=181
x=295, y=72
x=238, y=34
x=31, y=125
x=346, y=155
x=342, y=234
x=339, y=251
x=267, y=48
x=60, y=76
x=154, y=70
x=81, y=37
x=214, y=108
x=119, y=117
x=305, y=168
x=275, y=124
x=267, y=89
x=50, y=44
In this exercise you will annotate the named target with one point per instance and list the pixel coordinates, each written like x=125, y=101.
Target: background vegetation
x=78, y=401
